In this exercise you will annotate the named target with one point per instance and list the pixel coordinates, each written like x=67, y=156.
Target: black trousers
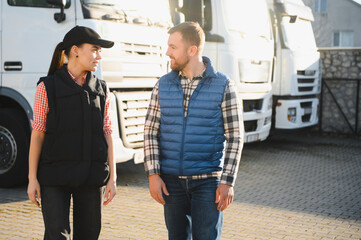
x=87, y=206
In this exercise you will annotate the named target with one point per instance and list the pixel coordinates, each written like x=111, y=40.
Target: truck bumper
x=296, y=113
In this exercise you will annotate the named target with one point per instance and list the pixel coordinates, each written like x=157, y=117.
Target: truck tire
x=14, y=148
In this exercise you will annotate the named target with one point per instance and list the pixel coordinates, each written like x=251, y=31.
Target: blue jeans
x=190, y=209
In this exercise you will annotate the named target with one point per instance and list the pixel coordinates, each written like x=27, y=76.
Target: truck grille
x=252, y=105
x=133, y=61
x=140, y=49
x=307, y=81
x=305, y=89
x=307, y=107
x=250, y=126
x=131, y=69
x=132, y=108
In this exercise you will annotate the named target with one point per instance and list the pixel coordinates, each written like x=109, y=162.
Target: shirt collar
x=74, y=78
x=200, y=76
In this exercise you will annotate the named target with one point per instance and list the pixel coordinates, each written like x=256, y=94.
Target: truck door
x=29, y=37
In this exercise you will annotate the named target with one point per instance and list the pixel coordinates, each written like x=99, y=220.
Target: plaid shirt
x=233, y=127
x=41, y=108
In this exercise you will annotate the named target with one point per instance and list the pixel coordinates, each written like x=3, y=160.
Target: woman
x=71, y=148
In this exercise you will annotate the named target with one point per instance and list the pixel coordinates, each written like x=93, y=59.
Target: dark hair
x=58, y=59
x=191, y=32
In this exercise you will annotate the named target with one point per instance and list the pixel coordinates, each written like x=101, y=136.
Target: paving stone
x=300, y=186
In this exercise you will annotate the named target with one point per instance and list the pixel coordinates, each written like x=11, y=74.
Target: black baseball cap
x=79, y=34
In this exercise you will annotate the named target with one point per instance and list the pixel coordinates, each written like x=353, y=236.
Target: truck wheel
x=14, y=147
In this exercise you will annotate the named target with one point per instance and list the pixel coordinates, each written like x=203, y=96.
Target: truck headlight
x=291, y=114
x=269, y=105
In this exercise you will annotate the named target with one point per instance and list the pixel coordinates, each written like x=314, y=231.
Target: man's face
x=177, y=52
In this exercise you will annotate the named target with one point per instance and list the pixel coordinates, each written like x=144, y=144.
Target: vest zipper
x=183, y=135
x=185, y=119
x=182, y=148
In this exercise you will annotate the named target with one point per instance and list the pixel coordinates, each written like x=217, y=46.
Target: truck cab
x=29, y=32
x=297, y=76
x=239, y=42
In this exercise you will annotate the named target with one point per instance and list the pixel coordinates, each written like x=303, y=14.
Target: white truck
x=240, y=44
x=29, y=32
x=297, y=75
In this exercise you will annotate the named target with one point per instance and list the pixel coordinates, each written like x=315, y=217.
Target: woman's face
x=88, y=57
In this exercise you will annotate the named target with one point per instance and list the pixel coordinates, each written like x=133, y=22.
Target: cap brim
x=103, y=43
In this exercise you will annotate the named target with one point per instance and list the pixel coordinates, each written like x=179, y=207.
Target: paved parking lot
x=292, y=186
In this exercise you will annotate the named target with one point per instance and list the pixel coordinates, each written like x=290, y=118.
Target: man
x=193, y=139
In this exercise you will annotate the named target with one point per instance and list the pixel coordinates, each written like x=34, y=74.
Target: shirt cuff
x=228, y=179
x=152, y=171
x=108, y=131
x=151, y=166
x=38, y=126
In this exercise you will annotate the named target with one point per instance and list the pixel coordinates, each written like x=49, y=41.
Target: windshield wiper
x=118, y=17
x=141, y=20
x=162, y=24
x=100, y=4
x=264, y=37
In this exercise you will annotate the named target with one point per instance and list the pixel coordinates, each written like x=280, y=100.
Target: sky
x=358, y=1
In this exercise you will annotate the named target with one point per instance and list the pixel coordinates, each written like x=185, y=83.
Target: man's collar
x=199, y=76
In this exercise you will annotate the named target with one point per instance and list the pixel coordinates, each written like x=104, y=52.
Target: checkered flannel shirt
x=233, y=127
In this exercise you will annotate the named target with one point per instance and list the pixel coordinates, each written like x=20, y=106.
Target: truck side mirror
x=175, y=8
x=178, y=17
x=179, y=3
x=58, y=17
x=293, y=18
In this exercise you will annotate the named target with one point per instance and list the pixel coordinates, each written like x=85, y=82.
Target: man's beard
x=179, y=66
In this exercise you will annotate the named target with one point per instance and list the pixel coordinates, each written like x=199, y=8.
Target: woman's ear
x=74, y=51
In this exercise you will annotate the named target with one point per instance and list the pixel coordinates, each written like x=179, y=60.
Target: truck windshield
x=248, y=17
x=298, y=35
x=145, y=12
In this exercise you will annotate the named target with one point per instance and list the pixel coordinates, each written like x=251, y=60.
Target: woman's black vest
x=74, y=151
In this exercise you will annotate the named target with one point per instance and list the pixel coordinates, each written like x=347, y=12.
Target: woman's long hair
x=58, y=59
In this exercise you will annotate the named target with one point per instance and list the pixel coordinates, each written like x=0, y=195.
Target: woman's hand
x=110, y=192
x=34, y=192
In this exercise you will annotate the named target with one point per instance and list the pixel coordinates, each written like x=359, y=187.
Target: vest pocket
x=47, y=148
x=99, y=148
x=66, y=146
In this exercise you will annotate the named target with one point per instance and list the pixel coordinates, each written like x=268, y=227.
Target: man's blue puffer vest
x=193, y=144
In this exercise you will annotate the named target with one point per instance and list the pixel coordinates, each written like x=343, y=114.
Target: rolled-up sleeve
x=41, y=109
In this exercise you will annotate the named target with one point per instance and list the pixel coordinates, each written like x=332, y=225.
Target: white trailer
x=240, y=44
x=297, y=75
x=29, y=32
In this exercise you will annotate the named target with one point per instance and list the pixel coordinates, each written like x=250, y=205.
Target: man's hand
x=224, y=196
x=34, y=192
x=156, y=187
x=110, y=191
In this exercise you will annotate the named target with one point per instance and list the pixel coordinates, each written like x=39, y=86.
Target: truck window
x=297, y=35
x=198, y=11
x=248, y=17
x=34, y=3
x=142, y=12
